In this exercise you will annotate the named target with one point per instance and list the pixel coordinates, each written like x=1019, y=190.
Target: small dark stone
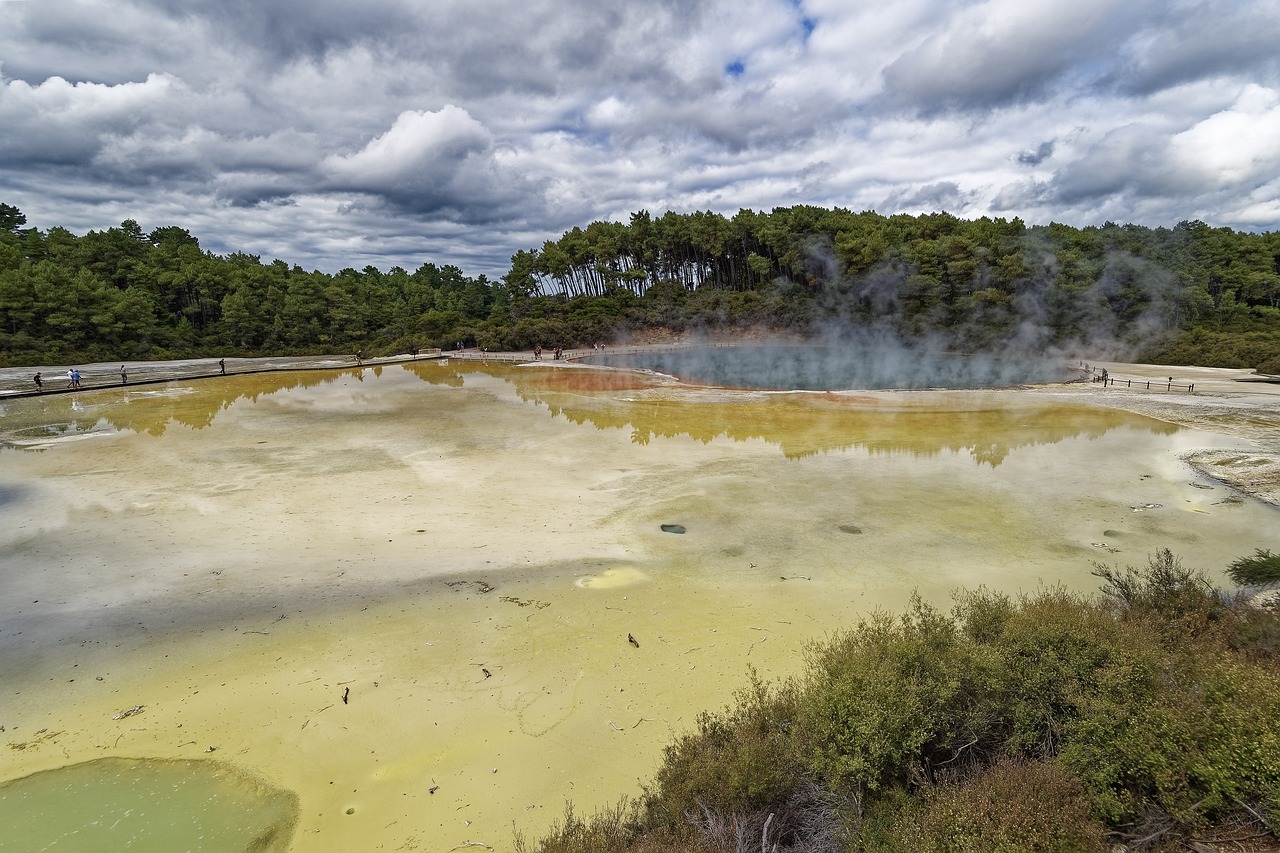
x=850, y=528
x=673, y=528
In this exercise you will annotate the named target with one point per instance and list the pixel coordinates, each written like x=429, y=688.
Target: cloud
x=422, y=150
x=1034, y=158
x=1200, y=41
x=1000, y=52
x=59, y=122
x=943, y=195
x=329, y=133
x=1236, y=146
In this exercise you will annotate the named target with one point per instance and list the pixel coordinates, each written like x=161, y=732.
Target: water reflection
x=987, y=427
x=799, y=425
x=149, y=410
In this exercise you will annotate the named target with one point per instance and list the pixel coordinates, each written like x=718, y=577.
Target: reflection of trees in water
x=153, y=411
x=805, y=425
x=440, y=373
x=800, y=425
x=198, y=407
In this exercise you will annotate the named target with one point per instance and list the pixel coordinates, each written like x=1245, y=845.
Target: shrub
x=1011, y=808
x=1181, y=602
x=1004, y=727
x=739, y=761
x=893, y=699
x=1205, y=741
x=611, y=830
x=1055, y=649
x=1262, y=569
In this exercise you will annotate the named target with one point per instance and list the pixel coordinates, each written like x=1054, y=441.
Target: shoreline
x=1226, y=401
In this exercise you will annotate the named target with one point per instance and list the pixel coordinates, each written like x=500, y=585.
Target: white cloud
x=422, y=149
x=1237, y=146
x=57, y=121
x=392, y=128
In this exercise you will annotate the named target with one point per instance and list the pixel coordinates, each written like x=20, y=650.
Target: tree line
x=1187, y=294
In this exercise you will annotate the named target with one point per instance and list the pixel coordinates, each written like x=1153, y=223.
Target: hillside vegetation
x=1147, y=717
x=1191, y=294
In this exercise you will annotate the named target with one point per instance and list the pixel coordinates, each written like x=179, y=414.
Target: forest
x=1191, y=294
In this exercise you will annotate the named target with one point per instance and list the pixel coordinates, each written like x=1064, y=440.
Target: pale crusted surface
x=1227, y=402
x=1255, y=474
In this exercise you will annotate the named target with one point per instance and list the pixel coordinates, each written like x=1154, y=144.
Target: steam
x=1130, y=305
x=867, y=360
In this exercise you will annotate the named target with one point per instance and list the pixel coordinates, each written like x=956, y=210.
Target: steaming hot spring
x=837, y=368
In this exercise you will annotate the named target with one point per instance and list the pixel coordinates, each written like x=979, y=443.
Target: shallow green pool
x=145, y=805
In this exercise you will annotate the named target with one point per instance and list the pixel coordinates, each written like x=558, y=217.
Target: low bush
x=1013, y=807
x=1054, y=722
x=1262, y=569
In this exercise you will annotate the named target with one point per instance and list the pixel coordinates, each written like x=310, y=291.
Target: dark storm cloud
x=944, y=195
x=1204, y=41
x=993, y=54
x=1034, y=158
x=334, y=134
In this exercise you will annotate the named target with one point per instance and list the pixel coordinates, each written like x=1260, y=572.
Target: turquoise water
x=837, y=368
x=144, y=805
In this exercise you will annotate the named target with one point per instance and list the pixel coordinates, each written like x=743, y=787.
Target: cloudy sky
x=335, y=133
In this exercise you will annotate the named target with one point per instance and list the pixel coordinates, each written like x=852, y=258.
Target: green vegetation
x=1190, y=294
x=1262, y=569
x=1147, y=716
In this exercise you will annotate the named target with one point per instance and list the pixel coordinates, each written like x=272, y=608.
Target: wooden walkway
x=1110, y=380
x=18, y=382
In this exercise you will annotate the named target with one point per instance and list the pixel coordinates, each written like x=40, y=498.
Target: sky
x=334, y=134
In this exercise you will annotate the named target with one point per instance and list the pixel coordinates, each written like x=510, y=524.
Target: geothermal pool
x=402, y=594
x=836, y=368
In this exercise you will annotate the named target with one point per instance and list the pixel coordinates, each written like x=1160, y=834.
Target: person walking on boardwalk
x=222, y=366
x=71, y=378
x=39, y=383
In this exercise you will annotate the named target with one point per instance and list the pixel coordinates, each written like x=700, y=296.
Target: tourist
x=124, y=376
x=39, y=383
x=222, y=366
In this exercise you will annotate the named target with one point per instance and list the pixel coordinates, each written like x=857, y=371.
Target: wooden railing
x=1110, y=380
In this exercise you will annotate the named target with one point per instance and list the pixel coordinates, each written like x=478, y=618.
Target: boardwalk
x=18, y=382
x=1143, y=383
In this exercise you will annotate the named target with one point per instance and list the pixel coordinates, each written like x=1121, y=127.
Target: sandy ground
x=462, y=552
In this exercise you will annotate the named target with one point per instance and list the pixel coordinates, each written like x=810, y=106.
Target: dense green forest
x=1143, y=719
x=1189, y=294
